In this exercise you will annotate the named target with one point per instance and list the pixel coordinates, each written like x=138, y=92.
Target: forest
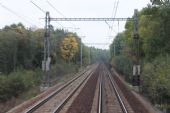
x=21, y=55
x=154, y=33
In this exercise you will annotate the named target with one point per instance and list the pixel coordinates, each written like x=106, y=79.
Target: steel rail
x=100, y=95
x=58, y=108
x=124, y=109
x=40, y=103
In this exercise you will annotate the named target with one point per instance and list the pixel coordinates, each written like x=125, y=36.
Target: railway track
x=99, y=110
x=93, y=91
x=110, y=99
x=56, y=100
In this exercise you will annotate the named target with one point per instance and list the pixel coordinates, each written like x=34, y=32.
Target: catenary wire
x=43, y=11
x=50, y=4
x=16, y=14
x=38, y=7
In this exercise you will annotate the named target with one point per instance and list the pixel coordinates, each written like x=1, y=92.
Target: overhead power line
x=114, y=12
x=38, y=7
x=97, y=43
x=60, y=25
x=113, y=8
x=49, y=3
x=55, y=9
x=16, y=14
x=43, y=11
x=116, y=9
x=113, y=15
x=110, y=27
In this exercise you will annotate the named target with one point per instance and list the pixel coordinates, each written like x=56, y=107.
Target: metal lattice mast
x=136, y=64
x=89, y=55
x=47, y=59
x=81, y=53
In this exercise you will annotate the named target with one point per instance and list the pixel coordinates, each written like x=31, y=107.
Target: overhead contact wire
x=49, y=3
x=38, y=7
x=14, y=13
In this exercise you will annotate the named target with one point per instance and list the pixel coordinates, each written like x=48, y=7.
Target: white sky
x=94, y=32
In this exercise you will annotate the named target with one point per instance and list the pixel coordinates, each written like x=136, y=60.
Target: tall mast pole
x=136, y=63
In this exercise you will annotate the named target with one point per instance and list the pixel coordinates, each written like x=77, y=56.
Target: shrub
x=123, y=65
x=155, y=77
x=14, y=84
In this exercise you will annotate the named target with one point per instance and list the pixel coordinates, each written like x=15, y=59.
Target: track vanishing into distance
x=55, y=101
x=110, y=98
x=94, y=90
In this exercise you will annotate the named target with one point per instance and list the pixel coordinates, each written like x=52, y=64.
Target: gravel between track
x=83, y=102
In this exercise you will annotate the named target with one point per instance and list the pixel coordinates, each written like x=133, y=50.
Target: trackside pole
x=47, y=59
x=136, y=64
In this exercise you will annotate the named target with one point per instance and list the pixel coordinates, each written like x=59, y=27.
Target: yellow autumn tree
x=69, y=47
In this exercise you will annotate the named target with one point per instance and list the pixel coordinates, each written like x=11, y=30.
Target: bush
x=3, y=89
x=62, y=69
x=155, y=77
x=123, y=65
x=21, y=80
x=10, y=86
x=14, y=84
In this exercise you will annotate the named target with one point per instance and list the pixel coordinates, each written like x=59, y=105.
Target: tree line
x=154, y=32
x=21, y=55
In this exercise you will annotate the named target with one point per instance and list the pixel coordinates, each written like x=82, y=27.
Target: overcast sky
x=94, y=32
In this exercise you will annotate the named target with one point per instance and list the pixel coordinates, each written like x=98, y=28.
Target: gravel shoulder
x=141, y=100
